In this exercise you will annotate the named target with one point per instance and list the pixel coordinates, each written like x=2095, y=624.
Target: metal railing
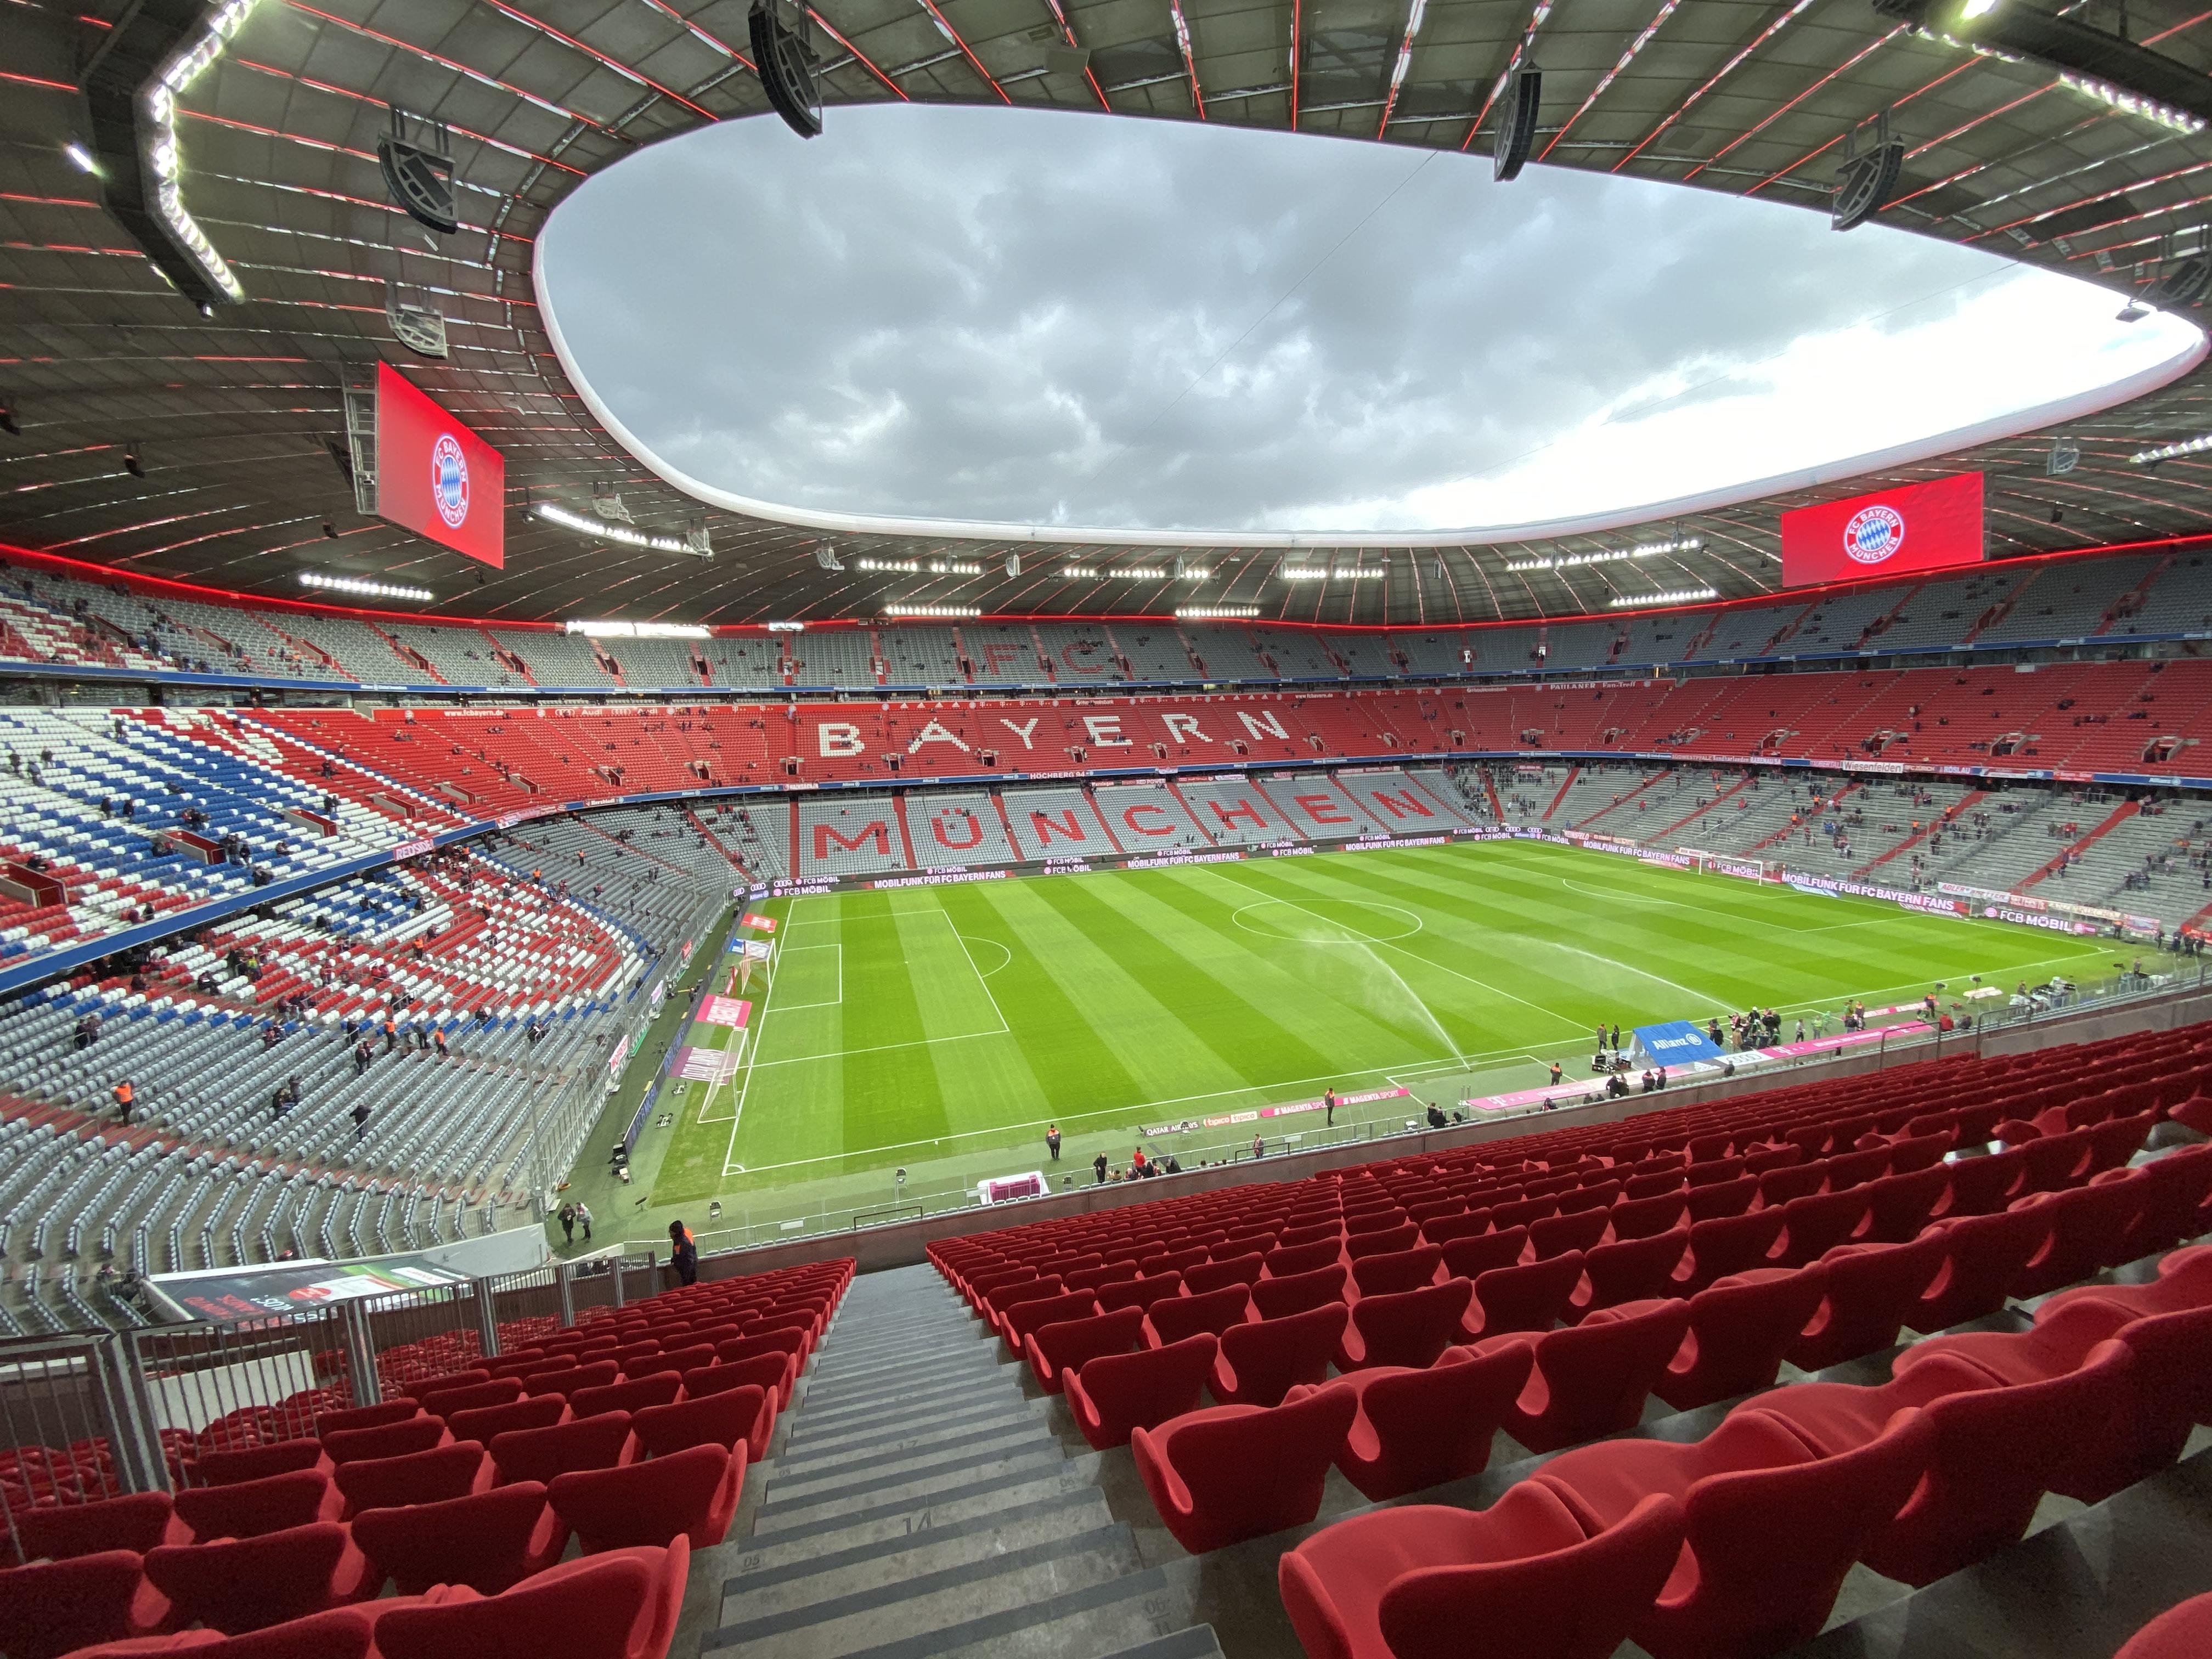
x=95, y=1414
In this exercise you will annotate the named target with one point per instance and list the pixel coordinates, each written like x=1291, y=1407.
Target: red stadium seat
x=622, y=1605
x=1221, y=1272
x=1593, y=1378
x=1396, y=1270
x=1230, y=1472
x=733, y=1417
x=1140, y=1292
x=1633, y=1270
x=1417, y=1429
x=598, y=1374
x=1470, y=1258
x=1725, y=1245
x=2180, y=1632
x=1170, y=1322
x=1259, y=1364
x=1992, y=1453
x=392, y=1440
x=1813, y=1225
x=538, y=1412
x=592, y=1442
x=1296, y=1293
x=429, y=1477
x=248, y=1508
x=1413, y=1583
x=471, y=1396
x=692, y=1494
x=632, y=1393
x=224, y=1468
x=51, y=1607
x=488, y=1541
x=1530, y=1298
x=1771, y=1529
x=136, y=1522
x=1983, y=1255
x=366, y=1417
x=249, y=1584
x=1065, y=1346
x=1409, y=1328
x=1871, y=1289
x=1740, y=1328
x=1115, y=1393
x=1288, y=1261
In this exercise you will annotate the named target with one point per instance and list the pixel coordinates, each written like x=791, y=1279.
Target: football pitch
x=920, y=1025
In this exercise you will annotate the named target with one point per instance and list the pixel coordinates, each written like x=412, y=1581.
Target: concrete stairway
x=918, y=1503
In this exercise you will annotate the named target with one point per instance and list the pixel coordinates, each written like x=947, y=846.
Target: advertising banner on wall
x=1922, y=526
x=434, y=476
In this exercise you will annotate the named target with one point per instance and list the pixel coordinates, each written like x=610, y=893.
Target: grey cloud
x=999, y=314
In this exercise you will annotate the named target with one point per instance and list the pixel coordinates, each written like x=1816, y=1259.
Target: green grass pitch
x=924, y=1023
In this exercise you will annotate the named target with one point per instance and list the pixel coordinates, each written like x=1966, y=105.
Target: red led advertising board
x=1922, y=526
x=434, y=476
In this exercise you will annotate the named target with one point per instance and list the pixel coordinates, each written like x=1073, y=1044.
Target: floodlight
x=363, y=589
x=953, y=610
x=1681, y=596
x=600, y=529
x=78, y=153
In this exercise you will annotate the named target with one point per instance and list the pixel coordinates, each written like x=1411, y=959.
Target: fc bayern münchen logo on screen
x=449, y=480
x=1873, y=533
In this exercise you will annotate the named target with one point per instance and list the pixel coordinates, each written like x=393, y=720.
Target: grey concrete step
x=827, y=1387
x=975, y=1420
x=808, y=1581
x=782, y=1487
x=1088, y=1621
x=914, y=1487
x=804, y=1539
x=1199, y=1642
x=941, y=1393
x=1014, y=1582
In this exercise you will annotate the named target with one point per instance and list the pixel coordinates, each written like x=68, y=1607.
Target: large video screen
x=434, y=476
x=1922, y=526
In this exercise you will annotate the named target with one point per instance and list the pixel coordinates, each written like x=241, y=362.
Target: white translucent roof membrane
x=1025, y=323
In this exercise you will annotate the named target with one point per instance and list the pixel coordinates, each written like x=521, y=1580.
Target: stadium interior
x=414, y=1240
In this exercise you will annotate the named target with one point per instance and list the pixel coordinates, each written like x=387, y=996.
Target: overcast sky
x=1040, y=317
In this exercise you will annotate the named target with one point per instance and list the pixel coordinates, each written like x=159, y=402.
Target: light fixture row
x=360, y=588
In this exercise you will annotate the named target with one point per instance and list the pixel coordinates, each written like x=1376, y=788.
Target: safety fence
x=95, y=1415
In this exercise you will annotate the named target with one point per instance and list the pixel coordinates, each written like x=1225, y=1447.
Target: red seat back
x=251, y=1508
x=427, y=1477
x=488, y=1541
x=591, y=1443
x=631, y=1394
x=249, y=1584
x=1259, y=1364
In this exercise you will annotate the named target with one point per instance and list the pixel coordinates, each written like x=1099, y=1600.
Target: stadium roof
x=232, y=418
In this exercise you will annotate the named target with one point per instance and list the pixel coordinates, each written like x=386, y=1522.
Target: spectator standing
x=567, y=1224
x=1098, y=1166
x=584, y=1219
x=683, y=1253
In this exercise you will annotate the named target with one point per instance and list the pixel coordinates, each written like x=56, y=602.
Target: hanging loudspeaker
x=786, y=69
x=2181, y=284
x=1516, y=126
x=420, y=174
x=1865, y=185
